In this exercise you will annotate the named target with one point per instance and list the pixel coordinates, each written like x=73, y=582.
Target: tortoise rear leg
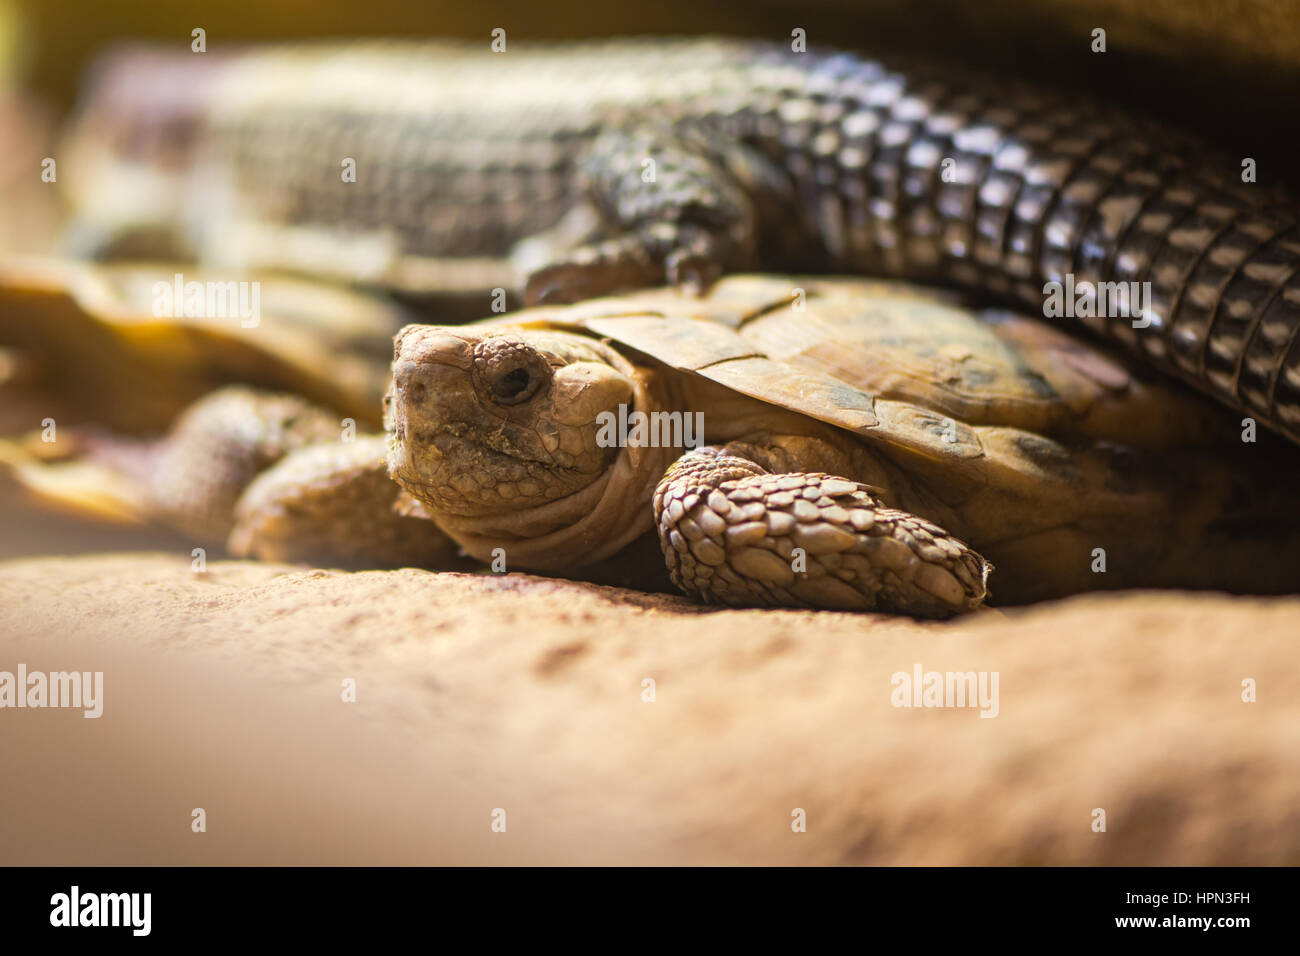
x=274, y=477
x=191, y=477
x=734, y=533
x=334, y=502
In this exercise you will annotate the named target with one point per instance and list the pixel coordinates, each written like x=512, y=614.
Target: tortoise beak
x=431, y=374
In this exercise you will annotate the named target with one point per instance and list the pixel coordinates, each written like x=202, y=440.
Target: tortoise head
x=495, y=432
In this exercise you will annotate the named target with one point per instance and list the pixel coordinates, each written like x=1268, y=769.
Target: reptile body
x=588, y=168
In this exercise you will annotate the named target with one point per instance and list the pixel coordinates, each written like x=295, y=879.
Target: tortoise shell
x=895, y=363
x=99, y=351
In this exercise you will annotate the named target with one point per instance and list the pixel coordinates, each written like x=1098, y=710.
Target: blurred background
x=1227, y=68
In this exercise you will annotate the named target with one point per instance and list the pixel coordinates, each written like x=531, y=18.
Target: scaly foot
x=734, y=534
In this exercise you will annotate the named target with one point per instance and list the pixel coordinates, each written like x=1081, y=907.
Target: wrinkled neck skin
x=587, y=526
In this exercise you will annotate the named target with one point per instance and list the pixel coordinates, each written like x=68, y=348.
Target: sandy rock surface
x=222, y=690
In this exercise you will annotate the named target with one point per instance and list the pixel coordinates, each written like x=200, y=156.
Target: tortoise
x=82, y=350
x=864, y=445
x=797, y=442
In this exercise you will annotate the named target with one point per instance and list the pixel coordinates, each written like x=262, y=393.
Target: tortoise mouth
x=449, y=441
x=459, y=474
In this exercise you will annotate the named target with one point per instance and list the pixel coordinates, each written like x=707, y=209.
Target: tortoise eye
x=509, y=372
x=515, y=386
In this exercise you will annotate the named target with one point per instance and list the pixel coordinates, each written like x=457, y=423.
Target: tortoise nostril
x=418, y=392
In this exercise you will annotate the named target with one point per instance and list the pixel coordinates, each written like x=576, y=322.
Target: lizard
x=575, y=170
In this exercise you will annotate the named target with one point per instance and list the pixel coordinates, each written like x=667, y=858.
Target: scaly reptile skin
x=764, y=157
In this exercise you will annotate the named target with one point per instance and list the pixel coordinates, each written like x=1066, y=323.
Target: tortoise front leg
x=734, y=533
